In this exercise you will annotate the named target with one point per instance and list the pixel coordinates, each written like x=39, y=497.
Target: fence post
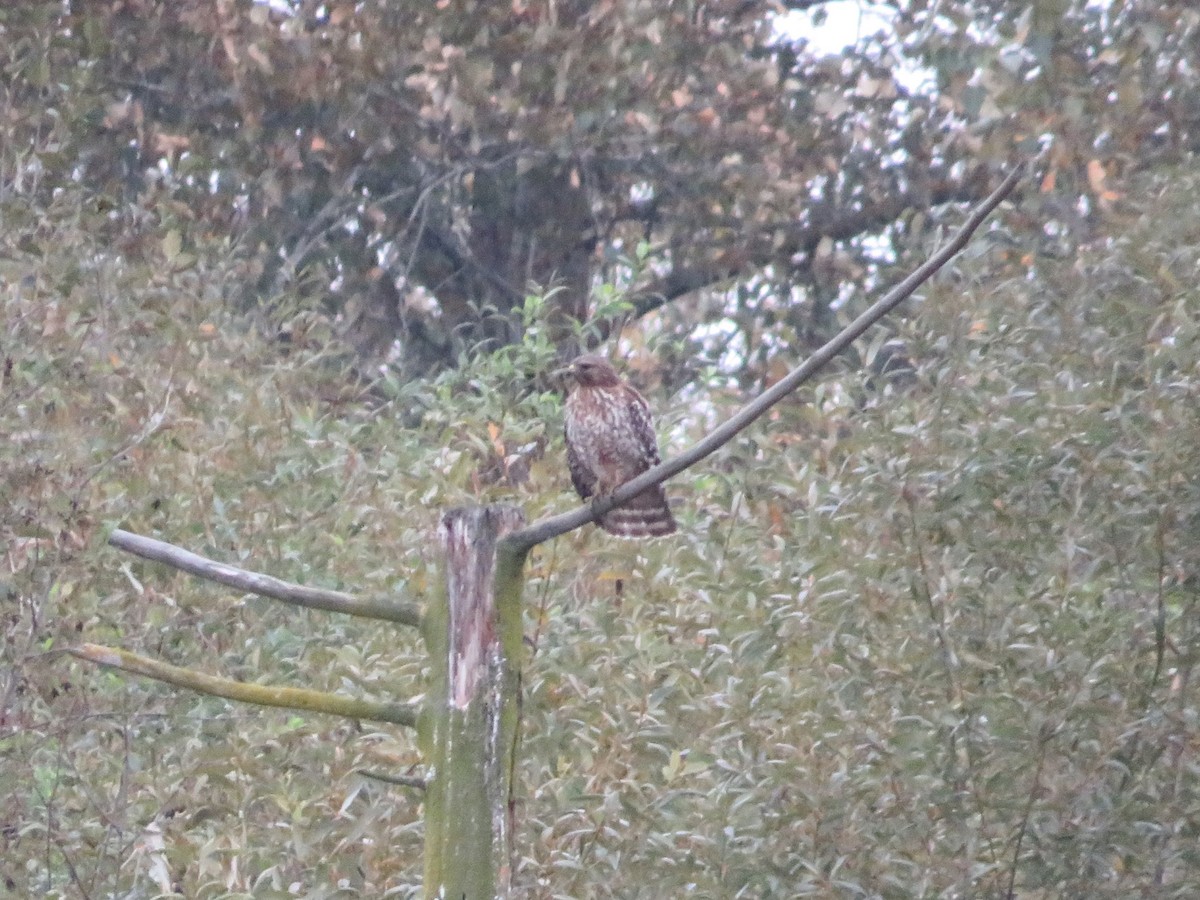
x=468, y=730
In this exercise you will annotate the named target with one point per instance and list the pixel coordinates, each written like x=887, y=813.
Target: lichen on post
x=469, y=724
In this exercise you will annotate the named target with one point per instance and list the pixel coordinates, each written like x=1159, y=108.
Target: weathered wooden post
x=468, y=727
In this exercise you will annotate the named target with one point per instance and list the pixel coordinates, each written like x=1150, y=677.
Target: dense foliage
x=930, y=640
x=926, y=636
x=412, y=167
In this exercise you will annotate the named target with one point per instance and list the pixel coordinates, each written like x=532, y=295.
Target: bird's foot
x=599, y=502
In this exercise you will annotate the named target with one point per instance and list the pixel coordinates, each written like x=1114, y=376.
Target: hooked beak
x=565, y=373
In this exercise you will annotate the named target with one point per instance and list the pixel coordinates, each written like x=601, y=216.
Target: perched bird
x=610, y=439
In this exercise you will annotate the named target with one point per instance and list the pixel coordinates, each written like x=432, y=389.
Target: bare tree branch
x=520, y=542
x=259, y=694
x=264, y=585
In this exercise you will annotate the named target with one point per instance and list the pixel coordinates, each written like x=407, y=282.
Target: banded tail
x=646, y=515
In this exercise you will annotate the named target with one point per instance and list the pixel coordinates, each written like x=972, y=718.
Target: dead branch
x=259, y=694
x=264, y=585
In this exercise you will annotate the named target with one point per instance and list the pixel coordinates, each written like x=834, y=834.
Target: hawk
x=610, y=439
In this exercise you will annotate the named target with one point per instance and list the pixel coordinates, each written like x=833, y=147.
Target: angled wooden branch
x=262, y=695
x=519, y=542
x=264, y=585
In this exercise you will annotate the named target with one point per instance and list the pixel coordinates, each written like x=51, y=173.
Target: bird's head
x=590, y=370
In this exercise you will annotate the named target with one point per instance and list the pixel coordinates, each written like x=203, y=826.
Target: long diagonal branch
x=520, y=542
x=264, y=585
x=259, y=694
